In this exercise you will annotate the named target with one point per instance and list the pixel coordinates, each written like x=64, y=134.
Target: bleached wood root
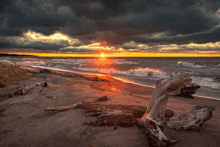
x=113, y=115
x=192, y=119
x=154, y=133
x=154, y=117
x=187, y=90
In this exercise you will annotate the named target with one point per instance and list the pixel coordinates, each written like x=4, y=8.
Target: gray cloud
x=112, y=22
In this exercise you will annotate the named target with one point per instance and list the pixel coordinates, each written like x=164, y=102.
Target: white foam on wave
x=6, y=61
x=201, y=81
x=205, y=82
x=188, y=64
x=31, y=59
x=152, y=73
x=141, y=72
x=31, y=63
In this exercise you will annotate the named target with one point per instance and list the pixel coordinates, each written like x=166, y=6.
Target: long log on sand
x=74, y=106
x=111, y=115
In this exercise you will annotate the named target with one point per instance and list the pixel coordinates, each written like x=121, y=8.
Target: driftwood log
x=74, y=106
x=191, y=119
x=188, y=90
x=111, y=115
x=152, y=120
x=24, y=90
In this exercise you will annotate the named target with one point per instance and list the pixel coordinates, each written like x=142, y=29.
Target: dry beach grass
x=25, y=123
x=12, y=74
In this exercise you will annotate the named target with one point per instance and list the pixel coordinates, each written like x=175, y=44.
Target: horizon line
x=151, y=54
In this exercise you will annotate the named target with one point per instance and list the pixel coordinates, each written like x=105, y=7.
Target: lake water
x=146, y=71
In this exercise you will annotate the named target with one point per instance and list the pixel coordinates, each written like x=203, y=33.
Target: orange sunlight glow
x=102, y=58
x=113, y=89
x=118, y=55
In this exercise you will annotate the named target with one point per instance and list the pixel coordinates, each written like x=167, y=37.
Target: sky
x=116, y=27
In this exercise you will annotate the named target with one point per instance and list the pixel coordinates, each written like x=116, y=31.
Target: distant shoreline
x=15, y=55
x=62, y=55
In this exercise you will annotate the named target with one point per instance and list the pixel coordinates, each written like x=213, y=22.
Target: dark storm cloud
x=13, y=43
x=77, y=50
x=35, y=15
x=201, y=37
x=113, y=22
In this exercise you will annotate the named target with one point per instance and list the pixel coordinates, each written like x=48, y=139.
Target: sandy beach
x=25, y=123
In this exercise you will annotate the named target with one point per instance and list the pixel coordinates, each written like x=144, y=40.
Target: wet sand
x=25, y=123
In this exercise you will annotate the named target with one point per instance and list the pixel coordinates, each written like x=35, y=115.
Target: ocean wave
x=205, y=82
x=140, y=72
x=93, y=61
x=30, y=63
x=188, y=64
x=152, y=73
x=6, y=61
x=31, y=59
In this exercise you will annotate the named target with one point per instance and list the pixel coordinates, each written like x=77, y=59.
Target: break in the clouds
x=129, y=25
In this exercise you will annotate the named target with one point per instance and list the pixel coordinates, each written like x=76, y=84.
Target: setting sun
x=102, y=55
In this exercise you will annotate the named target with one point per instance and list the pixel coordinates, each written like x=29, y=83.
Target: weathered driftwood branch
x=188, y=90
x=62, y=108
x=191, y=119
x=116, y=115
x=111, y=115
x=24, y=90
x=74, y=106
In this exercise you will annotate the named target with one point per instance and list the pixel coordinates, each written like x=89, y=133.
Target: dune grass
x=12, y=74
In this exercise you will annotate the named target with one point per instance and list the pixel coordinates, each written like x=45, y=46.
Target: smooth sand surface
x=23, y=121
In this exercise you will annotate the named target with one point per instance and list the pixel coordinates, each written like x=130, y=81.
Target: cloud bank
x=135, y=25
